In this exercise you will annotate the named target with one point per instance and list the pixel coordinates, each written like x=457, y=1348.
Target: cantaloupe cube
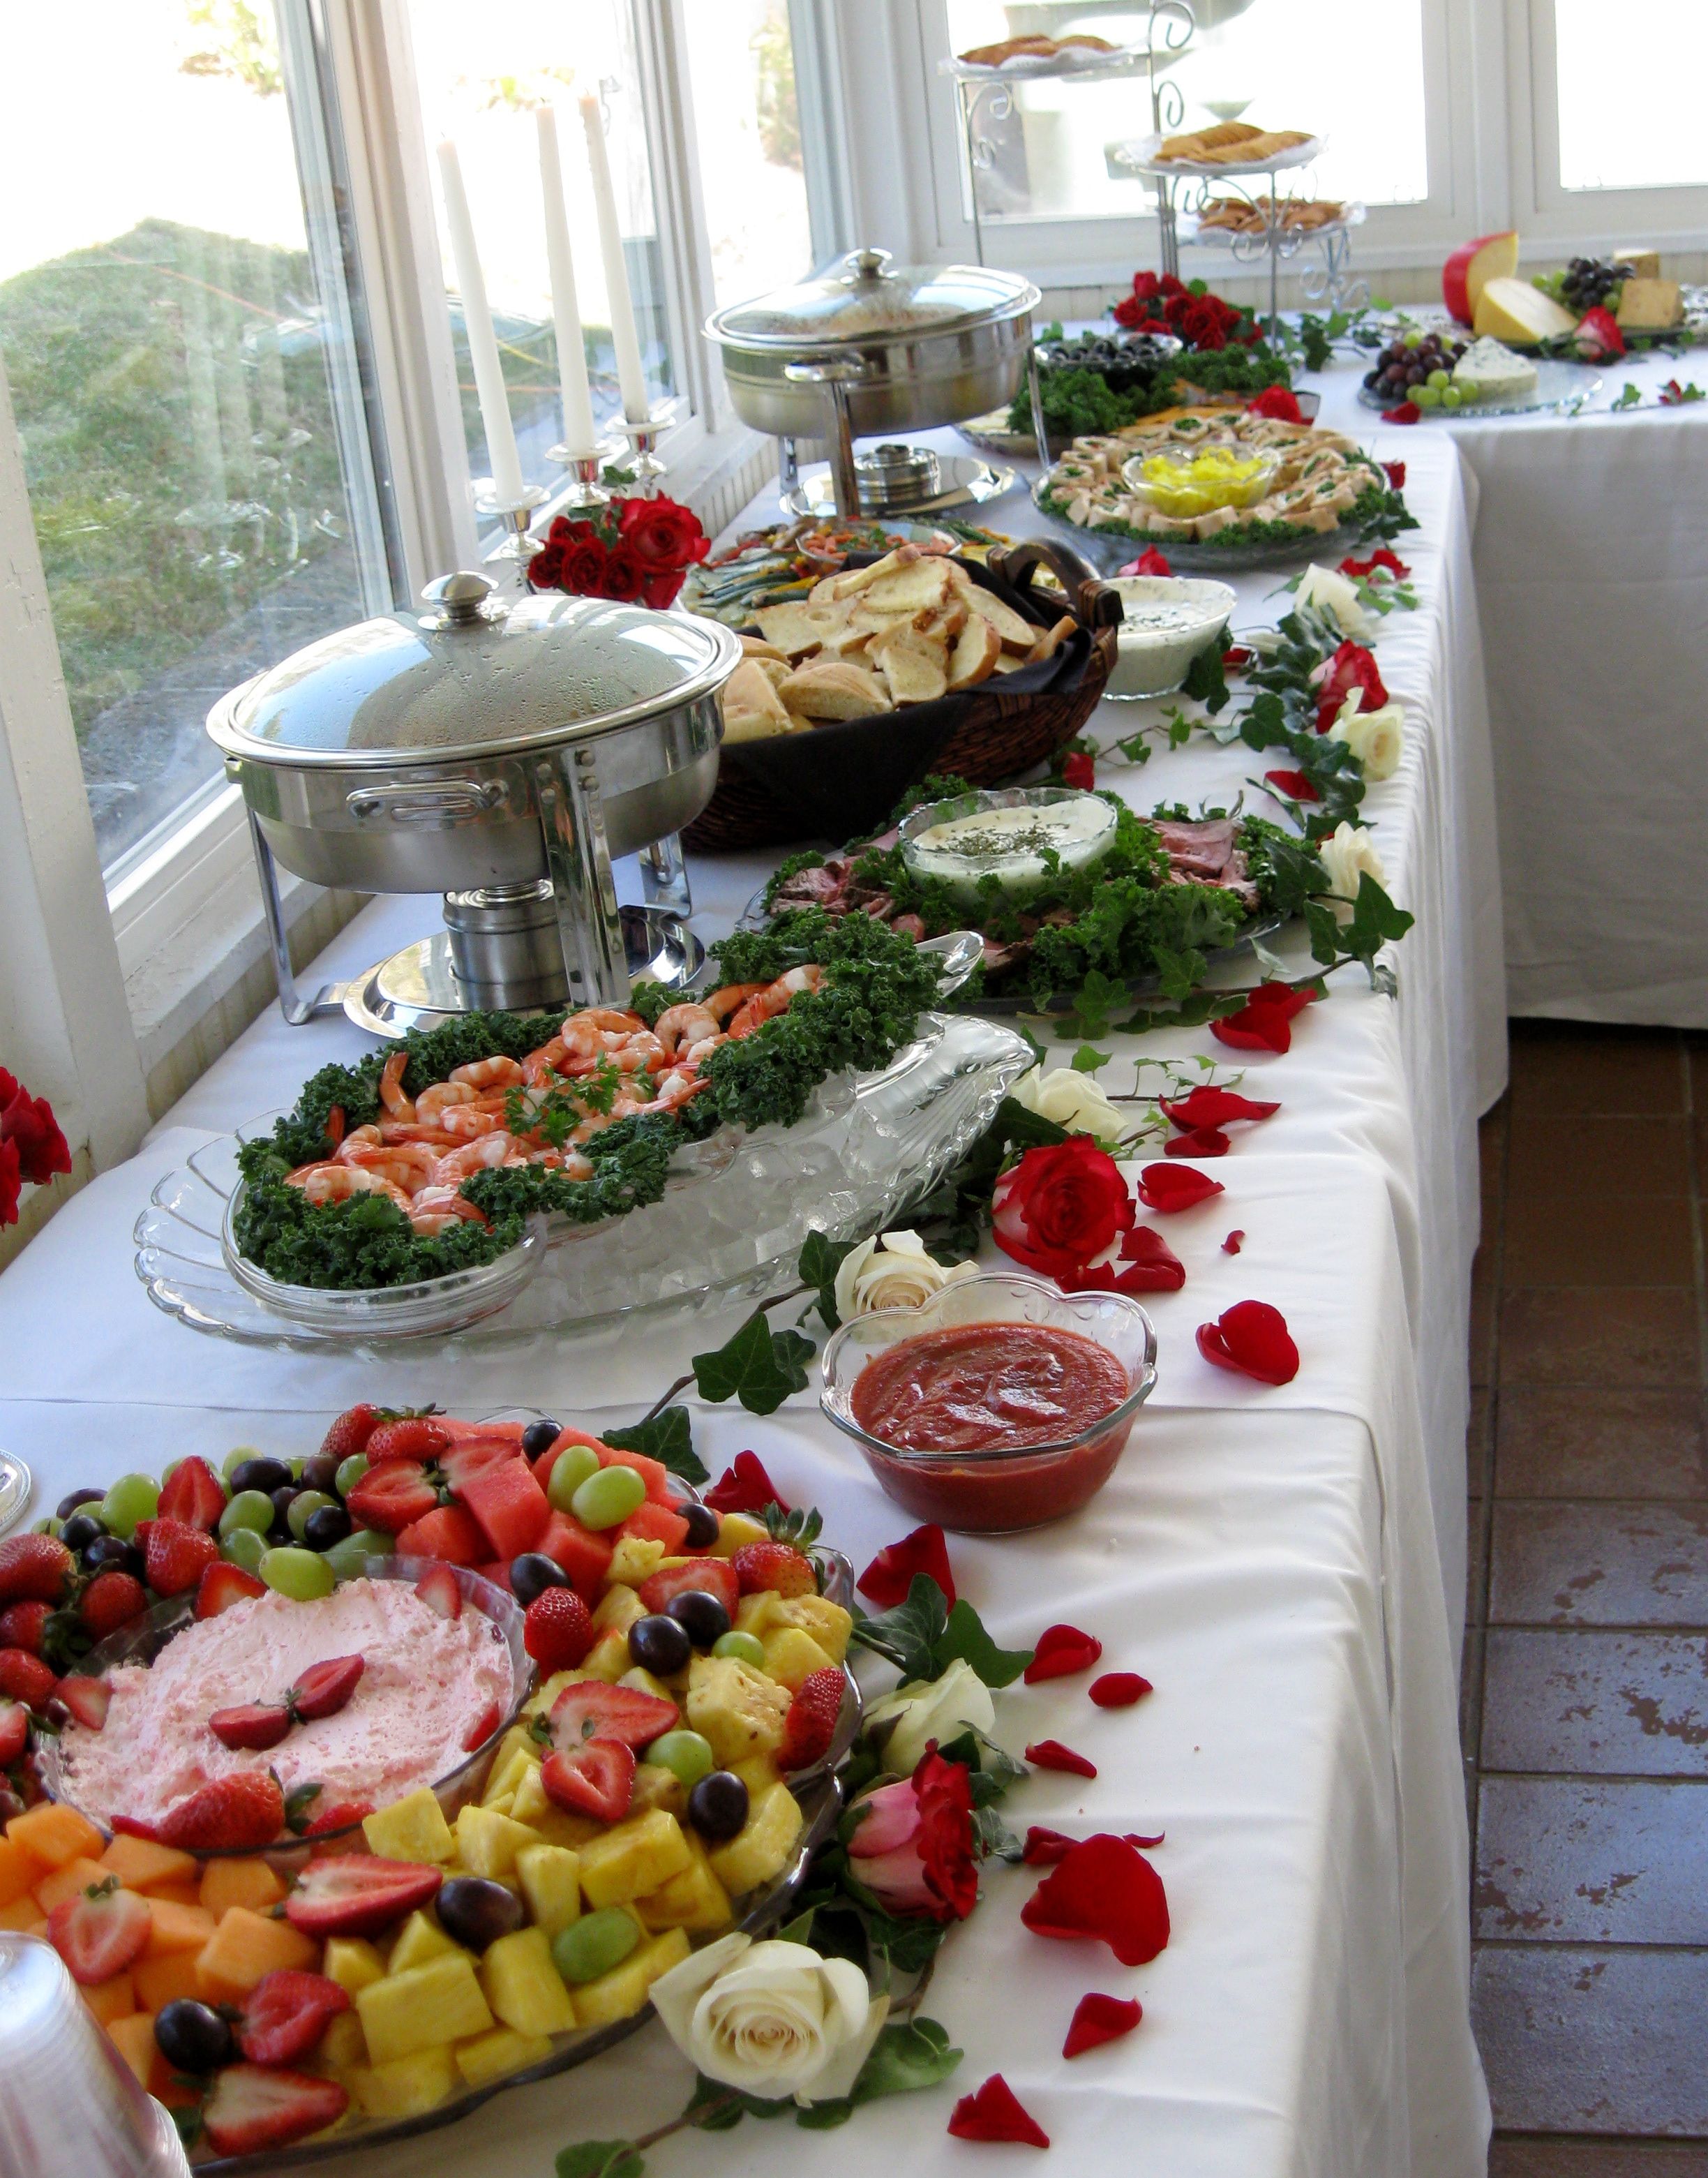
x=412, y=1828
x=419, y=1940
x=243, y=1948
x=113, y=1999
x=551, y=1882
x=352, y=1962
x=633, y=1859
x=140, y=1864
x=20, y=1916
x=55, y=1833
x=437, y=2003
x=522, y=1986
x=133, y=2037
x=180, y=1894
x=491, y=2056
x=178, y=1927
x=759, y=1851
x=694, y=1899
x=733, y=1529
x=621, y=1994
x=60, y=1884
x=160, y=1982
x=19, y=1871
x=248, y=1882
x=487, y=1842
x=341, y=2045
x=405, y=2087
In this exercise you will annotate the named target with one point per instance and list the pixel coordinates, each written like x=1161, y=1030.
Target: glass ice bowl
x=1205, y=479
x=996, y=1490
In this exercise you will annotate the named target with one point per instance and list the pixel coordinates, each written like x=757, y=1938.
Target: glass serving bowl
x=1167, y=620
x=1020, y=869
x=996, y=1491
x=1186, y=486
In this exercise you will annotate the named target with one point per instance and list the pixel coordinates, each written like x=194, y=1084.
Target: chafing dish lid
x=864, y=296
x=477, y=677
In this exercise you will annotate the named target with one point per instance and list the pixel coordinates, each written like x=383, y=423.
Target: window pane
x=1280, y=63
x=1630, y=96
x=482, y=72
x=742, y=68
x=168, y=355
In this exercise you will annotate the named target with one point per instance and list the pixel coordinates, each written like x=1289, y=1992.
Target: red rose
x=29, y=1129
x=662, y=534
x=1146, y=286
x=1060, y=1206
x=623, y=577
x=1351, y=667
x=1079, y=769
x=1277, y=400
x=546, y=568
x=661, y=590
x=9, y=1186
x=583, y=567
x=1134, y=316
x=914, y=1847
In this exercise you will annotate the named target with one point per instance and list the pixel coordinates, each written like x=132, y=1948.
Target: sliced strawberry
x=253, y=1725
x=111, y=1600
x=483, y=1726
x=438, y=1589
x=595, y=1778
x=356, y=1894
x=323, y=1688
x=232, y=1812
x=86, y=1698
x=176, y=1556
x=447, y=1532
x=413, y=1436
x=339, y=1816
x=712, y=1576
x=221, y=1585
x=253, y=2108
x=776, y=1565
x=812, y=1720
x=33, y=1570
x=25, y=1626
x=100, y=1931
x=15, y=1732
x=350, y=1433
x=558, y=1629
x=286, y=2014
x=194, y=1494
x=591, y=1710
x=392, y=1495
x=25, y=1678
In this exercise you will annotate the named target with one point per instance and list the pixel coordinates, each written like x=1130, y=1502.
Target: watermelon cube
x=652, y=1472
x=497, y=1573
x=509, y=1504
x=510, y=1433
x=565, y=1438
x=585, y=1557
x=658, y=1524
x=447, y=1532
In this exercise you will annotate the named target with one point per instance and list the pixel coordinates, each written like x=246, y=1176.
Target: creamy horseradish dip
x=1010, y=844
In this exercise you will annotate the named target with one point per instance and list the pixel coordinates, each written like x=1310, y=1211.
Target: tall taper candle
x=632, y=379
x=482, y=342
x=572, y=359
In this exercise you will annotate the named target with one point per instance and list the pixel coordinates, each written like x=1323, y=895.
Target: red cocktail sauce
x=988, y=1390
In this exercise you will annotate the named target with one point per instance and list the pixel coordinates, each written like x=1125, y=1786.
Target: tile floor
x=1585, y=1691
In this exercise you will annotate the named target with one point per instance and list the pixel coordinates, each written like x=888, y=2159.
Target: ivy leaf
x=965, y=1636
x=905, y=2058
x=992, y=1767
x=996, y=1840
x=667, y=1437
x=797, y=1931
x=821, y=1259
x=712, y=2108
x=600, y=2158
x=908, y=1633
x=1325, y=932
x=1375, y=920
x=1630, y=398
x=824, y=2117
x=1088, y=1058
x=759, y=1366
x=1206, y=682
x=1178, y=973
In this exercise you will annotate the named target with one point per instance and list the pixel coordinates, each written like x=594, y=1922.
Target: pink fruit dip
x=426, y=1683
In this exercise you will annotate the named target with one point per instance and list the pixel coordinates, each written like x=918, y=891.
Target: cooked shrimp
x=464, y=1123
x=436, y=1209
x=407, y=1165
x=722, y=1003
x=686, y=1024
x=676, y=1087
x=540, y=1067
x=442, y=1096
x=336, y=1183
x=400, y=1130
x=457, y=1165
x=486, y=1074
x=638, y=1053
x=775, y=998
x=370, y=1133
x=335, y=1126
x=391, y=1089
x=600, y=1029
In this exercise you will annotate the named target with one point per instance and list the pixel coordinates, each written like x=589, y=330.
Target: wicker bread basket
x=844, y=778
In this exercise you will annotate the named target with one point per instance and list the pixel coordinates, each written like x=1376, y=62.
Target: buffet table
x=1287, y=1565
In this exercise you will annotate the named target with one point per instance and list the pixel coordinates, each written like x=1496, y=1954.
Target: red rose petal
x=1172, y=1187
x=1408, y=412
x=1250, y=1338
x=1395, y=474
x=1149, y=561
x=1236, y=657
x=1262, y=1023
x=1282, y=404
x=1107, y=1892
x=1208, y=1106
x=886, y=1580
x=1295, y=785
x=1044, y=1848
x=1060, y=1650
x=1098, y=2019
x=1119, y=1689
x=1234, y=1242
x=1201, y=1142
x=1145, y=1843
x=745, y=1487
x=1079, y=770
x=1052, y=1754
x=994, y=2112
x=1155, y=1268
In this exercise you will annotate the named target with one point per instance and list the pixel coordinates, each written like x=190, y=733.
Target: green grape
x=1426, y=396
x=1413, y=339
x=349, y=1558
x=595, y=1944
x=1438, y=379
x=745, y=1648
x=50, y=1526
x=609, y=1496
x=573, y=1465
x=236, y=1457
x=302, y=1505
x=249, y=1508
x=685, y=1754
x=302, y=1575
x=245, y=1547
x=350, y=1473
x=295, y=1467
x=132, y=1498
x=1452, y=397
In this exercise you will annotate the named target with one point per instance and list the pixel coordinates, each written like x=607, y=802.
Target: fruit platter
x=338, y=1837
x=1424, y=371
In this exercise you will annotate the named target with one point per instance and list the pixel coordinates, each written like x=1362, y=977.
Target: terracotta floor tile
x=1593, y=2041
x=1479, y=1444
x=1485, y=1313
x=1596, y=1240
x=1584, y=1443
x=1491, y=1150
x=1516, y=2156
x=1632, y=1155
x=1558, y=1861
x=1559, y=1066
x=1596, y=1704
x=1470, y=1687
x=1600, y=1564
x=1617, y=1336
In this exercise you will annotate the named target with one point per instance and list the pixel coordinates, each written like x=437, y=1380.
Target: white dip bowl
x=1168, y=620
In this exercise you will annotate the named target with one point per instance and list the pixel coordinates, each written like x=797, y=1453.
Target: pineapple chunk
x=551, y=1881
x=635, y=1857
x=507, y=1773
x=733, y=1529
x=643, y=1682
x=438, y=2003
x=491, y=2056
x=412, y=1828
x=760, y=1850
x=767, y=1612
x=489, y=1842
x=792, y=1656
x=522, y=1986
x=619, y=1607
x=759, y=1773
x=655, y=1787
x=531, y=1801
x=608, y=1659
x=419, y=1940
x=737, y=1709
x=621, y=1994
x=556, y=1825
x=519, y=1739
x=341, y=2045
x=694, y=1900
x=405, y=2087
x=352, y=1962
x=634, y=1559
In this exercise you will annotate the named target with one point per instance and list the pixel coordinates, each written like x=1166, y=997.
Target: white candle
x=632, y=379
x=572, y=361
x=482, y=342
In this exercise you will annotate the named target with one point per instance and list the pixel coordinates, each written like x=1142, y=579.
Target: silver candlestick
x=642, y=461
x=516, y=515
x=585, y=489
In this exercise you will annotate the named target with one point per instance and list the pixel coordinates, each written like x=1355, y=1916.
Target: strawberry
x=25, y=1678
x=246, y=1809
x=253, y=2108
x=100, y=1931
x=350, y=1433
x=286, y=2014
x=487, y=1722
x=776, y=1565
x=175, y=1555
x=221, y=1585
x=25, y=1626
x=85, y=1698
x=323, y=1688
x=591, y=1710
x=714, y=1576
x=194, y=1494
x=14, y=1730
x=252, y=1725
x=438, y=1589
x=33, y=1570
x=111, y=1600
x=392, y=1494
x=356, y=1894
x=412, y=1437
x=595, y=1778
x=339, y=1817
x=812, y=1720
x=558, y=1629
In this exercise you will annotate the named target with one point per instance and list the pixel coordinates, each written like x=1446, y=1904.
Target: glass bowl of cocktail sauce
x=1000, y=1403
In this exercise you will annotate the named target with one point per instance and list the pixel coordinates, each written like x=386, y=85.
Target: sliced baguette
x=1018, y=634
x=912, y=589
x=835, y=690
x=793, y=630
x=915, y=664
x=1052, y=639
x=751, y=709
x=754, y=646
x=974, y=658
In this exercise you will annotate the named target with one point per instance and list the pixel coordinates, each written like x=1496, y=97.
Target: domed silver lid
x=864, y=296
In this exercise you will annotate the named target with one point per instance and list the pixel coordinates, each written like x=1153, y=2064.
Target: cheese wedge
x=1513, y=311
x=1645, y=264
x=1650, y=306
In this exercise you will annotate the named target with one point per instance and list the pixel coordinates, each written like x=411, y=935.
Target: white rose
x=1346, y=856
x=772, y=2019
x=900, y=1274
x=1375, y=737
x=1072, y=1100
x=941, y=1710
x=1335, y=596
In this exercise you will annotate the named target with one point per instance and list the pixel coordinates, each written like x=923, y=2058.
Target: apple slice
x=1471, y=268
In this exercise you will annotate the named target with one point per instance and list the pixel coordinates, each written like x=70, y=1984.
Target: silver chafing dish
x=870, y=348
x=499, y=752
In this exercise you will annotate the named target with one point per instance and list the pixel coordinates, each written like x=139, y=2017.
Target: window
x=753, y=184
x=1629, y=95
x=182, y=375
